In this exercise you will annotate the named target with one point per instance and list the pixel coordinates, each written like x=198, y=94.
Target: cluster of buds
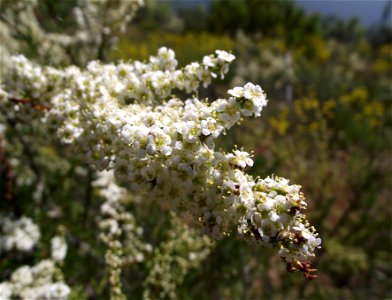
x=118, y=232
x=304, y=267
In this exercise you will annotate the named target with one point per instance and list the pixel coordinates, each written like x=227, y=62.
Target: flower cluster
x=30, y=283
x=270, y=219
x=43, y=280
x=21, y=234
x=58, y=248
x=126, y=118
x=97, y=25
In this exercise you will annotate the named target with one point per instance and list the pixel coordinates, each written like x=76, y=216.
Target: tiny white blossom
x=237, y=92
x=225, y=56
x=57, y=291
x=5, y=290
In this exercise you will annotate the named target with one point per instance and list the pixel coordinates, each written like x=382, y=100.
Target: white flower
x=229, y=185
x=240, y=159
x=267, y=205
x=44, y=268
x=273, y=216
x=255, y=96
x=5, y=290
x=237, y=92
x=246, y=193
x=57, y=291
x=252, y=91
x=229, y=111
x=209, y=61
x=167, y=58
x=58, y=248
x=210, y=127
x=225, y=56
x=158, y=140
x=22, y=234
x=34, y=293
x=22, y=276
x=166, y=53
x=190, y=131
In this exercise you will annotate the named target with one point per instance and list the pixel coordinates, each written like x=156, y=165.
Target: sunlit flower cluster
x=125, y=117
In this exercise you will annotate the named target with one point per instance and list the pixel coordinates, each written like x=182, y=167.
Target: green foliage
x=270, y=18
x=197, y=45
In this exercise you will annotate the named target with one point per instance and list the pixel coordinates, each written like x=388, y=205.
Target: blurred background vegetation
x=327, y=127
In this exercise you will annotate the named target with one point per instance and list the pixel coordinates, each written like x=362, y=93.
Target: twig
x=87, y=200
x=29, y=101
x=9, y=176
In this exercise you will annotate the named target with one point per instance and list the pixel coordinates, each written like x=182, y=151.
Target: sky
x=368, y=12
